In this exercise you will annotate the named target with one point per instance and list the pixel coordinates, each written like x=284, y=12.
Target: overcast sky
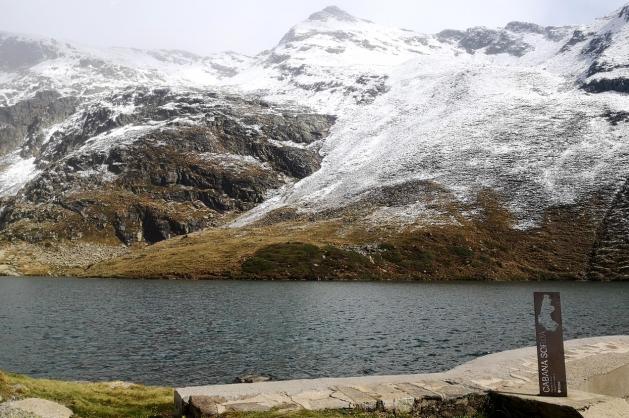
x=248, y=26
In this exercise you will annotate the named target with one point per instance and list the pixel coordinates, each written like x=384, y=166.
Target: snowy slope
x=333, y=60
x=519, y=132
x=29, y=64
x=478, y=109
x=609, y=49
x=510, y=109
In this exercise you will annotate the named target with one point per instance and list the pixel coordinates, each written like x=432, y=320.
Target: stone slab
x=513, y=373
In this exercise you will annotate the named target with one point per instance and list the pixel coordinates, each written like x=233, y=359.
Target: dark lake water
x=186, y=332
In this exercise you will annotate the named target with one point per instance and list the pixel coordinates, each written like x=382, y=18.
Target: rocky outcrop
x=610, y=254
x=34, y=408
x=145, y=165
x=601, y=85
x=22, y=124
x=17, y=53
x=489, y=40
x=552, y=33
x=604, y=49
x=578, y=36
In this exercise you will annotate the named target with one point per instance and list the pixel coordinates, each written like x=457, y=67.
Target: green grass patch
x=462, y=251
x=89, y=400
x=298, y=260
x=409, y=257
x=291, y=255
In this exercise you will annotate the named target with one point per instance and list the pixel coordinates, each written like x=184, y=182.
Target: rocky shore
x=498, y=385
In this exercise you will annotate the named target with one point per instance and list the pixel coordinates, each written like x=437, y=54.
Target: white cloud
x=249, y=26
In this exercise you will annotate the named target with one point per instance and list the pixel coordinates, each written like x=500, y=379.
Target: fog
x=250, y=26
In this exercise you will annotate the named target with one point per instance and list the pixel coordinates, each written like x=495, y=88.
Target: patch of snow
x=414, y=214
x=234, y=160
x=15, y=173
x=101, y=172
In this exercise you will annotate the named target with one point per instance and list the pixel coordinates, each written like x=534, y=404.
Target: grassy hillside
x=343, y=247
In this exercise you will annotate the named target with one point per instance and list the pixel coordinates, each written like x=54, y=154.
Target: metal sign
x=549, y=334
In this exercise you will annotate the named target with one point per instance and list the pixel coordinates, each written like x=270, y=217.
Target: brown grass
x=484, y=248
x=347, y=247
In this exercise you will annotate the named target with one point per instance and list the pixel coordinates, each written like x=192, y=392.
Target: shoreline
x=301, y=280
x=504, y=379
x=501, y=376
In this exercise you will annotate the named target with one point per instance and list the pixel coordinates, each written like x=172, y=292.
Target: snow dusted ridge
x=469, y=110
x=537, y=114
x=30, y=64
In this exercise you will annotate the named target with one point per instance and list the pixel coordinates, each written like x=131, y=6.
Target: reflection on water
x=185, y=332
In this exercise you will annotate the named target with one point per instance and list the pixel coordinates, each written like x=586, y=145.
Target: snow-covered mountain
x=503, y=109
x=424, y=127
x=30, y=64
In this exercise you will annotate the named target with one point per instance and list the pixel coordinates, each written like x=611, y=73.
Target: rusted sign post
x=549, y=334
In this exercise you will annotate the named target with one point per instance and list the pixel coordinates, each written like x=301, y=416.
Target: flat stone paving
x=510, y=373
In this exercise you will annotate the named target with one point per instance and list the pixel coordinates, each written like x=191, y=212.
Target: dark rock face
x=617, y=117
x=578, y=36
x=506, y=44
x=506, y=41
x=602, y=75
x=495, y=42
x=451, y=35
x=525, y=27
x=171, y=164
x=24, y=121
x=602, y=85
x=610, y=255
x=371, y=87
x=253, y=378
x=478, y=38
x=550, y=32
x=16, y=54
x=598, y=44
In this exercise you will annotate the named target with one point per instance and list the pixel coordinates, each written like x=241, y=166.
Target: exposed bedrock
x=166, y=164
x=17, y=53
x=21, y=125
x=610, y=253
x=601, y=85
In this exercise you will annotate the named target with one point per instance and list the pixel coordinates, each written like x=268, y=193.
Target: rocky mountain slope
x=147, y=164
x=488, y=153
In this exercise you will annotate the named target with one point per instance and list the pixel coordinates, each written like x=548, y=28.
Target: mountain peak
x=332, y=12
x=624, y=12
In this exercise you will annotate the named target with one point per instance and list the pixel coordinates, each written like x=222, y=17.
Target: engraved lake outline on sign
x=545, y=318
